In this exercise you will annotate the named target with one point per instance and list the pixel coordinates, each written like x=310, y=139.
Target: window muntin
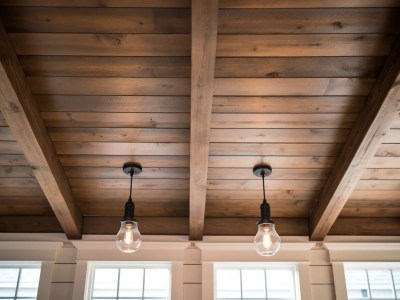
x=117, y=281
x=256, y=282
x=375, y=281
x=19, y=281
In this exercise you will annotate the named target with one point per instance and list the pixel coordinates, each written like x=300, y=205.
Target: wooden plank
x=147, y=161
x=278, y=174
x=101, y=44
x=15, y=172
x=295, y=162
x=296, y=45
x=296, y=67
x=273, y=195
x=131, y=135
x=372, y=125
x=251, y=208
x=129, y=149
x=248, y=226
x=147, y=225
x=13, y=160
x=109, y=86
x=306, y=3
x=14, y=206
x=96, y=3
x=142, y=209
x=30, y=224
x=9, y=147
x=385, y=185
x=106, y=195
x=6, y=134
x=30, y=192
x=296, y=104
x=385, y=162
x=392, y=137
x=366, y=226
x=387, y=150
x=215, y=184
x=118, y=120
x=97, y=172
x=110, y=20
x=315, y=135
x=370, y=209
x=376, y=174
x=117, y=104
x=375, y=195
x=138, y=184
x=263, y=149
x=204, y=40
x=282, y=120
x=119, y=66
x=19, y=109
x=291, y=86
x=287, y=21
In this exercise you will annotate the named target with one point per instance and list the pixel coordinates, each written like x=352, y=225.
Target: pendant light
x=267, y=240
x=128, y=238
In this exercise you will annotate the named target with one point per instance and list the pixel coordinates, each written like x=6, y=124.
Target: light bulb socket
x=129, y=211
x=265, y=213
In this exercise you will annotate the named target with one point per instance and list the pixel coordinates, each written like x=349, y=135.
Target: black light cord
x=262, y=175
x=130, y=191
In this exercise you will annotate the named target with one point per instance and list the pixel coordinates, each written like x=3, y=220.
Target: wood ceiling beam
x=371, y=126
x=20, y=111
x=204, y=40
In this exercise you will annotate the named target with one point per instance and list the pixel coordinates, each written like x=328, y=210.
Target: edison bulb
x=128, y=238
x=267, y=240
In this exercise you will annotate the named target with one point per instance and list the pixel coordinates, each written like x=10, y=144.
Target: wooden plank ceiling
x=198, y=93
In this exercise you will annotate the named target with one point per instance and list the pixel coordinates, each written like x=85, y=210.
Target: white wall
x=64, y=263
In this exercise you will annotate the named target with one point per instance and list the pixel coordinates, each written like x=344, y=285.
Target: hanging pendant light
x=128, y=238
x=267, y=240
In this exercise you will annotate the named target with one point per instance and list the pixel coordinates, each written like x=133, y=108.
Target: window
x=111, y=281
x=372, y=282
x=256, y=282
x=19, y=281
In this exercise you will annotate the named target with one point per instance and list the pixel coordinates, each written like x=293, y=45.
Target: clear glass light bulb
x=267, y=240
x=128, y=238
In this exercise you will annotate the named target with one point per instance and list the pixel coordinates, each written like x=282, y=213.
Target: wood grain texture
x=306, y=3
x=110, y=20
x=284, y=21
x=276, y=184
x=372, y=125
x=128, y=149
x=138, y=184
x=109, y=86
x=295, y=104
x=266, y=149
x=119, y=104
x=275, y=196
x=302, y=45
x=152, y=67
x=121, y=120
x=292, y=86
x=10, y=147
x=101, y=44
x=30, y=224
x=366, y=226
x=19, y=109
x=297, y=67
x=204, y=36
x=281, y=121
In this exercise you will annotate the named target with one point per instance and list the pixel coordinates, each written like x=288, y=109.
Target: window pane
x=29, y=282
x=253, y=284
x=105, y=283
x=157, y=283
x=357, y=284
x=228, y=284
x=280, y=284
x=131, y=283
x=381, y=284
x=396, y=278
x=8, y=281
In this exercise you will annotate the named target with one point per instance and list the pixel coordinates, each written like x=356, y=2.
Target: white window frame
x=22, y=265
x=122, y=265
x=259, y=266
x=372, y=266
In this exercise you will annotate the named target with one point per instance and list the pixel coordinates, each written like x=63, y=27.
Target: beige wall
x=320, y=266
